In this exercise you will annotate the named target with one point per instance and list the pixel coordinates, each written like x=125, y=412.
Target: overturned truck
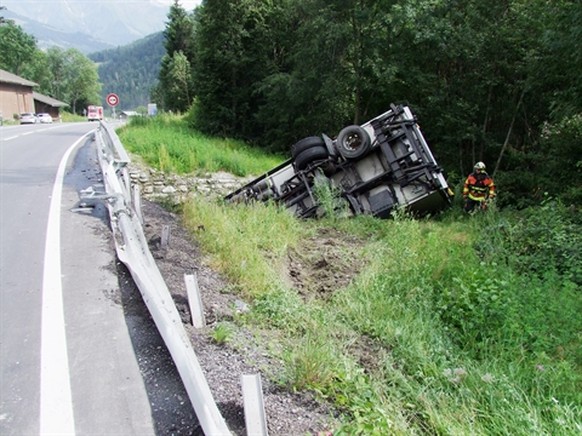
x=376, y=167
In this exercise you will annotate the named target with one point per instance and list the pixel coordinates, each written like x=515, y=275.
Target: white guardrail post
x=255, y=416
x=133, y=251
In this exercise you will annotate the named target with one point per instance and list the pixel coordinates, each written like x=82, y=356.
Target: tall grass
x=248, y=242
x=166, y=143
x=454, y=325
x=433, y=336
x=68, y=117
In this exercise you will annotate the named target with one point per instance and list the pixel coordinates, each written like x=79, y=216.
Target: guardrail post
x=195, y=301
x=137, y=203
x=165, y=239
x=255, y=417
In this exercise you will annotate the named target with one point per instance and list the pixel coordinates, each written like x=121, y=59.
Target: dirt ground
x=315, y=272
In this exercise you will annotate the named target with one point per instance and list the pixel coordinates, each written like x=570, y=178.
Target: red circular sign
x=112, y=99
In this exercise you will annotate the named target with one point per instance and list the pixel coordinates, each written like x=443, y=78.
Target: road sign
x=112, y=99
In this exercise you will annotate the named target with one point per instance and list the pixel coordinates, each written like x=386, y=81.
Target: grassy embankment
x=453, y=325
x=68, y=117
x=169, y=145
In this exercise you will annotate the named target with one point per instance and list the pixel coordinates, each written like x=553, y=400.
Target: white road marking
x=20, y=134
x=56, y=406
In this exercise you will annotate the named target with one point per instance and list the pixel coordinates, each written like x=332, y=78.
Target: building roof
x=48, y=100
x=7, y=77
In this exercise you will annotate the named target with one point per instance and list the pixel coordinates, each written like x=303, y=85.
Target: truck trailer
x=377, y=167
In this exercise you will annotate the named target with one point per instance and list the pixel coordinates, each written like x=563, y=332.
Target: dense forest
x=130, y=71
x=494, y=81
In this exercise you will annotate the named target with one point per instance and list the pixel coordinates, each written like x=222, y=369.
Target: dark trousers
x=471, y=205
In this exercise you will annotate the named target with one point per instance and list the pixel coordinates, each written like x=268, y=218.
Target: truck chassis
x=376, y=167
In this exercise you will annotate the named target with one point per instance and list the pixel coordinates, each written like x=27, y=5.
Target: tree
x=179, y=38
x=68, y=75
x=232, y=61
x=178, y=35
x=178, y=93
x=57, y=67
x=337, y=62
x=37, y=70
x=557, y=70
x=82, y=80
x=488, y=80
x=17, y=48
x=74, y=78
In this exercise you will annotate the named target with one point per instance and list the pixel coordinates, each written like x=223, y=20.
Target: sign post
x=112, y=100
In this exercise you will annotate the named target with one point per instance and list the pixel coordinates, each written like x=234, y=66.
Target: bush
x=476, y=307
x=546, y=239
x=562, y=141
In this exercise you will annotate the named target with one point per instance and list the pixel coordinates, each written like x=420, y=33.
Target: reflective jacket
x=479, y=187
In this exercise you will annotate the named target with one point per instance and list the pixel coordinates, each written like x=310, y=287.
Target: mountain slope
x=131, y=71
x=113, y=23
x=48, y=36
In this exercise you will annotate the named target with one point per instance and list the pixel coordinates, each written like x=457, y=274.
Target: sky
x=187, y=4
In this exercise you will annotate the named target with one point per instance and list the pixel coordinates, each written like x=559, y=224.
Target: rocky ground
x=287, y=413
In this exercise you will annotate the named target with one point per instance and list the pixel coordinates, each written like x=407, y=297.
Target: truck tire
x=353, y=142
x=309, y=155
x=305, y=144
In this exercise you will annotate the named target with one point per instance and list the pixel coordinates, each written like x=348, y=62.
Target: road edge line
x=56, y=405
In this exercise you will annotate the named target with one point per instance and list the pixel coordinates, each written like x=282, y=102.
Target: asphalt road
x=79, y=353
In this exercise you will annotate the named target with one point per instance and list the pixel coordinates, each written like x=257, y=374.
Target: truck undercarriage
x=376, y=167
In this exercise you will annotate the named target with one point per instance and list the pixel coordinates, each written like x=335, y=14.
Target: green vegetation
x=456, y=326
x=130, y=70
x=175, y=90
x=165, y=142
x=68, y=117
x=492, y=82
x=221, y=334
x=66, y=75
x=449, y=325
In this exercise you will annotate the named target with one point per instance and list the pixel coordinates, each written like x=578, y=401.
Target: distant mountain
x=122, y=36
x=47, y=36
x=131, y=71
x=89, y=25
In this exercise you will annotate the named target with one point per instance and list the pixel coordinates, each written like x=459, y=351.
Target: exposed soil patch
x=368, y=353
x=324, y=263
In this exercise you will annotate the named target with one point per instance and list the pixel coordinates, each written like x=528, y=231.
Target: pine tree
x=179, y=38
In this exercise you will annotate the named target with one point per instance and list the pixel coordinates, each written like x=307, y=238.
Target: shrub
x=546, y=239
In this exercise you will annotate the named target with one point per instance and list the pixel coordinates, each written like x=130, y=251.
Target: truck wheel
x=311, y=154
x=305, y=144
x=353, y=142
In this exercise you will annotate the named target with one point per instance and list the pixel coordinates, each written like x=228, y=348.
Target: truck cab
x=375, y=167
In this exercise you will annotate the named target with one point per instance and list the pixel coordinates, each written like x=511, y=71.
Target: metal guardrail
x=132, y=249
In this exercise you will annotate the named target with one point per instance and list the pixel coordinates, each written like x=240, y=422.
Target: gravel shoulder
x=287, y=413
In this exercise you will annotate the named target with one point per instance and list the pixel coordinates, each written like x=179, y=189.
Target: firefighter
x=478, y=188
